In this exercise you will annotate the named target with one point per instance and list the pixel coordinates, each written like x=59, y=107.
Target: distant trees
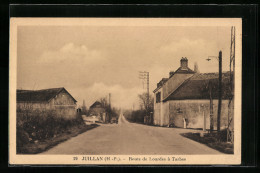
x=112, y=112
x=84, y=108
x=142, y=115
x=144, y=104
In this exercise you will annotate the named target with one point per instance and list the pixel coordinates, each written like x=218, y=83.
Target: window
x=158, y=97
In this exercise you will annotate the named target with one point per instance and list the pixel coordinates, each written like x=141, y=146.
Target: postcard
x=125, y=91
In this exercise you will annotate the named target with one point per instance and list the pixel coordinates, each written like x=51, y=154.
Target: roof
x=97, y=103
x=196, y=87
x=44, y=95
x=180, y=70
x=184, y=70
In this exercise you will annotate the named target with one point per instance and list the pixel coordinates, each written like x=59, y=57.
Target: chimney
x=184, y=63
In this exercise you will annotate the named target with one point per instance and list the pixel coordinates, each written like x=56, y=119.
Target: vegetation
x=144, y=112
x=112, y=112
x=144, y=104
x=135, y=116
x=35, y=126
x=216, y=140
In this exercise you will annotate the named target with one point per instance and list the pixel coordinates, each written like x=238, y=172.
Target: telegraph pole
x=219, y=91
x=109, y=100
x=230, y=134
x=148, y=91
x=144, y=75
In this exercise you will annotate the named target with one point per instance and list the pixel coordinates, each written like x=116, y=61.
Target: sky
x=92, y=61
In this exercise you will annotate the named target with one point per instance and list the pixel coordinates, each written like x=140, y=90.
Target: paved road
x=131, y=139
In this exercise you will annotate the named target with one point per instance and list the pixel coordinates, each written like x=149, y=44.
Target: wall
x=63, y=105
x=173, y=83
x=192, y=110
x=63, y=98
x=157, y=109
x=160, y=109
x=27, y=105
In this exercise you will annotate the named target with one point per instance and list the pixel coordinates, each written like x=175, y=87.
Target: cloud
x=196, y=50
x=72, y=53
x=187, y=46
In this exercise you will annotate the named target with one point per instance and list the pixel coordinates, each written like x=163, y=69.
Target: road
x=127, y=138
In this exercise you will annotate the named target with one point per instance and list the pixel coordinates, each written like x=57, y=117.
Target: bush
x=135, y=116
x=36, y=125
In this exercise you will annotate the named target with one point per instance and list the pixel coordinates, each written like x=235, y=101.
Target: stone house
x=184, y=97
x=56, y=99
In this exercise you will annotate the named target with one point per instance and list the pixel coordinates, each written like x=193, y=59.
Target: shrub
x=135, y=116
x=39, y=125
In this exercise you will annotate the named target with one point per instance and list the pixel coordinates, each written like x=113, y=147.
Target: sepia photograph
x=125, y=91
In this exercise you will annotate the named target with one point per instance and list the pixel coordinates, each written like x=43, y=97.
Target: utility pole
x=211, y=115
x=144, y=75
x=109, y=100
x=230, y=133
x=219, y=94
x=109, y=104
x=148, y=91
x=219, y=91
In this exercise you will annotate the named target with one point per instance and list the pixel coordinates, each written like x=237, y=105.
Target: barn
x=183, y=98
x=57, y=99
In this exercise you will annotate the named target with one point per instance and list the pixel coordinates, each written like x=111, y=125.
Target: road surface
x=127, y=138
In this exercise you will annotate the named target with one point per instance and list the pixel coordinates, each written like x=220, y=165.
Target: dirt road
x=127, y=138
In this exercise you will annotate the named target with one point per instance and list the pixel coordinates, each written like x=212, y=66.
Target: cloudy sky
x=92, y=61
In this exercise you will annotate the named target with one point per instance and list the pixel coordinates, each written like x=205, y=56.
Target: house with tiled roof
x=56, y=99
x=98, y=110
x=181, y=99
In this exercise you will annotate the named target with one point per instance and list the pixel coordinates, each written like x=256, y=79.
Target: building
x=57, y=99
x=97, y=109
x=184, y=97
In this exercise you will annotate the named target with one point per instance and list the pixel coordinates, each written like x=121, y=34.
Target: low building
x=183, y=98
x=57, y=99
x=97, y=109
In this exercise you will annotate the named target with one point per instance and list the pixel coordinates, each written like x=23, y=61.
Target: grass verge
x=41, y=146
x=213, y=140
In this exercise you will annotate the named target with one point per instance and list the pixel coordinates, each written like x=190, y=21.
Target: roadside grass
x=38, y=130
x=44, y=145
x=213, y=140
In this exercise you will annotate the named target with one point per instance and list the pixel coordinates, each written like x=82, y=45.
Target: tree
x=112, y=112
x=144, y=102
x=84, y=108
x=104, y=102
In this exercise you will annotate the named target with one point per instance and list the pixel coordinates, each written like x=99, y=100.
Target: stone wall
x=192, y=111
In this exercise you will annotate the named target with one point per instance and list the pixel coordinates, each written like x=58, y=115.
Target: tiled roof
x=196, y=87
x=97, y=103
x=43, y=95
x=180, y=70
